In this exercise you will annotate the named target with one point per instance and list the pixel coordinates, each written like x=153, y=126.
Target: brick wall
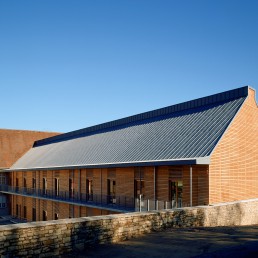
x=14, y=143
x=52, y=238
x=233, y=172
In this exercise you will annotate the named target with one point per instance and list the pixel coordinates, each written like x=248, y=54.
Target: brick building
x=200, y=152
x=14, y=144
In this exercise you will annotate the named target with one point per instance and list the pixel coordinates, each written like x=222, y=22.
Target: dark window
x=57, y=186
x=44, y=185
x=44, y=215
x=34, y=214
x=17, y=182
x=71, y=211
x=17, y=210
x=56, y=216
x=111, y=187
x=34, y=183
x=25, y=212
x=24, y=182
x=139, y=173
x=2, y=201
x=139, y=188
x=2, y=179
x=71, y=188
x=89, y=189
x=175, y=193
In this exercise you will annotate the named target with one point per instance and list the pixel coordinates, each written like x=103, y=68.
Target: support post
x=191, y=186
x=154, y=186
x=140, y=202
x=101, y=185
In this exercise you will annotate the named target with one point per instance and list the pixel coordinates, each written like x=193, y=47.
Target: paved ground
x=195, y=242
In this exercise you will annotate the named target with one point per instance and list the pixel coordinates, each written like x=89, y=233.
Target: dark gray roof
x=185, y=133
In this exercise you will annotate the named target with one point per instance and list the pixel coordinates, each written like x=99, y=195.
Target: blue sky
x=66, y=65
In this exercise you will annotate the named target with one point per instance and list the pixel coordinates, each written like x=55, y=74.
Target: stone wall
x=52, y=238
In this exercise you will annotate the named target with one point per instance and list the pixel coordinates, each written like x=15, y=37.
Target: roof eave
x=190, y=161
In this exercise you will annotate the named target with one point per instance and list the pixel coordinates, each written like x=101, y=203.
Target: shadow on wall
x=115, y=228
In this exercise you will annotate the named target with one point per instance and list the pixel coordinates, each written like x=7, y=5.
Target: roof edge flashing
x=190, y=161
x=203, y=161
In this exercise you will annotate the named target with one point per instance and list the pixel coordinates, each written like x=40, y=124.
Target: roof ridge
x=203, y=101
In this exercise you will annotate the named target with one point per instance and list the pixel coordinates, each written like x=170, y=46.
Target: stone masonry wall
x=52, y=238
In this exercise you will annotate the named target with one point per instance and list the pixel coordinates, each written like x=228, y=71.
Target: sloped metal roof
x=181, y=134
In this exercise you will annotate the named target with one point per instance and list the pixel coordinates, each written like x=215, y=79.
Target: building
x=200, y=152
x=14, y=144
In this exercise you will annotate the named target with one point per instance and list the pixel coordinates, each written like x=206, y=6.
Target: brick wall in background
x=15, y=143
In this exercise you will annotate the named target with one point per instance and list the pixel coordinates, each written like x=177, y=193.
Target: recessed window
x=2, y=201
x=111, y=190
x=34, y=183
x=44, y=215
x=71, y=190
x=24, y=182
x=89, y=189
x=2, y=179
x=139, y=188
x=57, y=186
x=25, y=212
x=175, y=193
x=44, y=185
x=34, y=214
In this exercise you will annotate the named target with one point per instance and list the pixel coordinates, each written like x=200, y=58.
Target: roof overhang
x=173, y=162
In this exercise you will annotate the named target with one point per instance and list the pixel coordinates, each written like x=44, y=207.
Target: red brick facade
x=234, y=162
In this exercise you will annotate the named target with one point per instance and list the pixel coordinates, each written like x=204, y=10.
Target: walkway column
x=154, y=182
x=191, y=186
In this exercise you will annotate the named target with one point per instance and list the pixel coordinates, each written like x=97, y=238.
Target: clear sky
x=66, y=65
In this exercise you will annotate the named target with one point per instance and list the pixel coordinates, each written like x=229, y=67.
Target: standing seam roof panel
x=186, y=134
